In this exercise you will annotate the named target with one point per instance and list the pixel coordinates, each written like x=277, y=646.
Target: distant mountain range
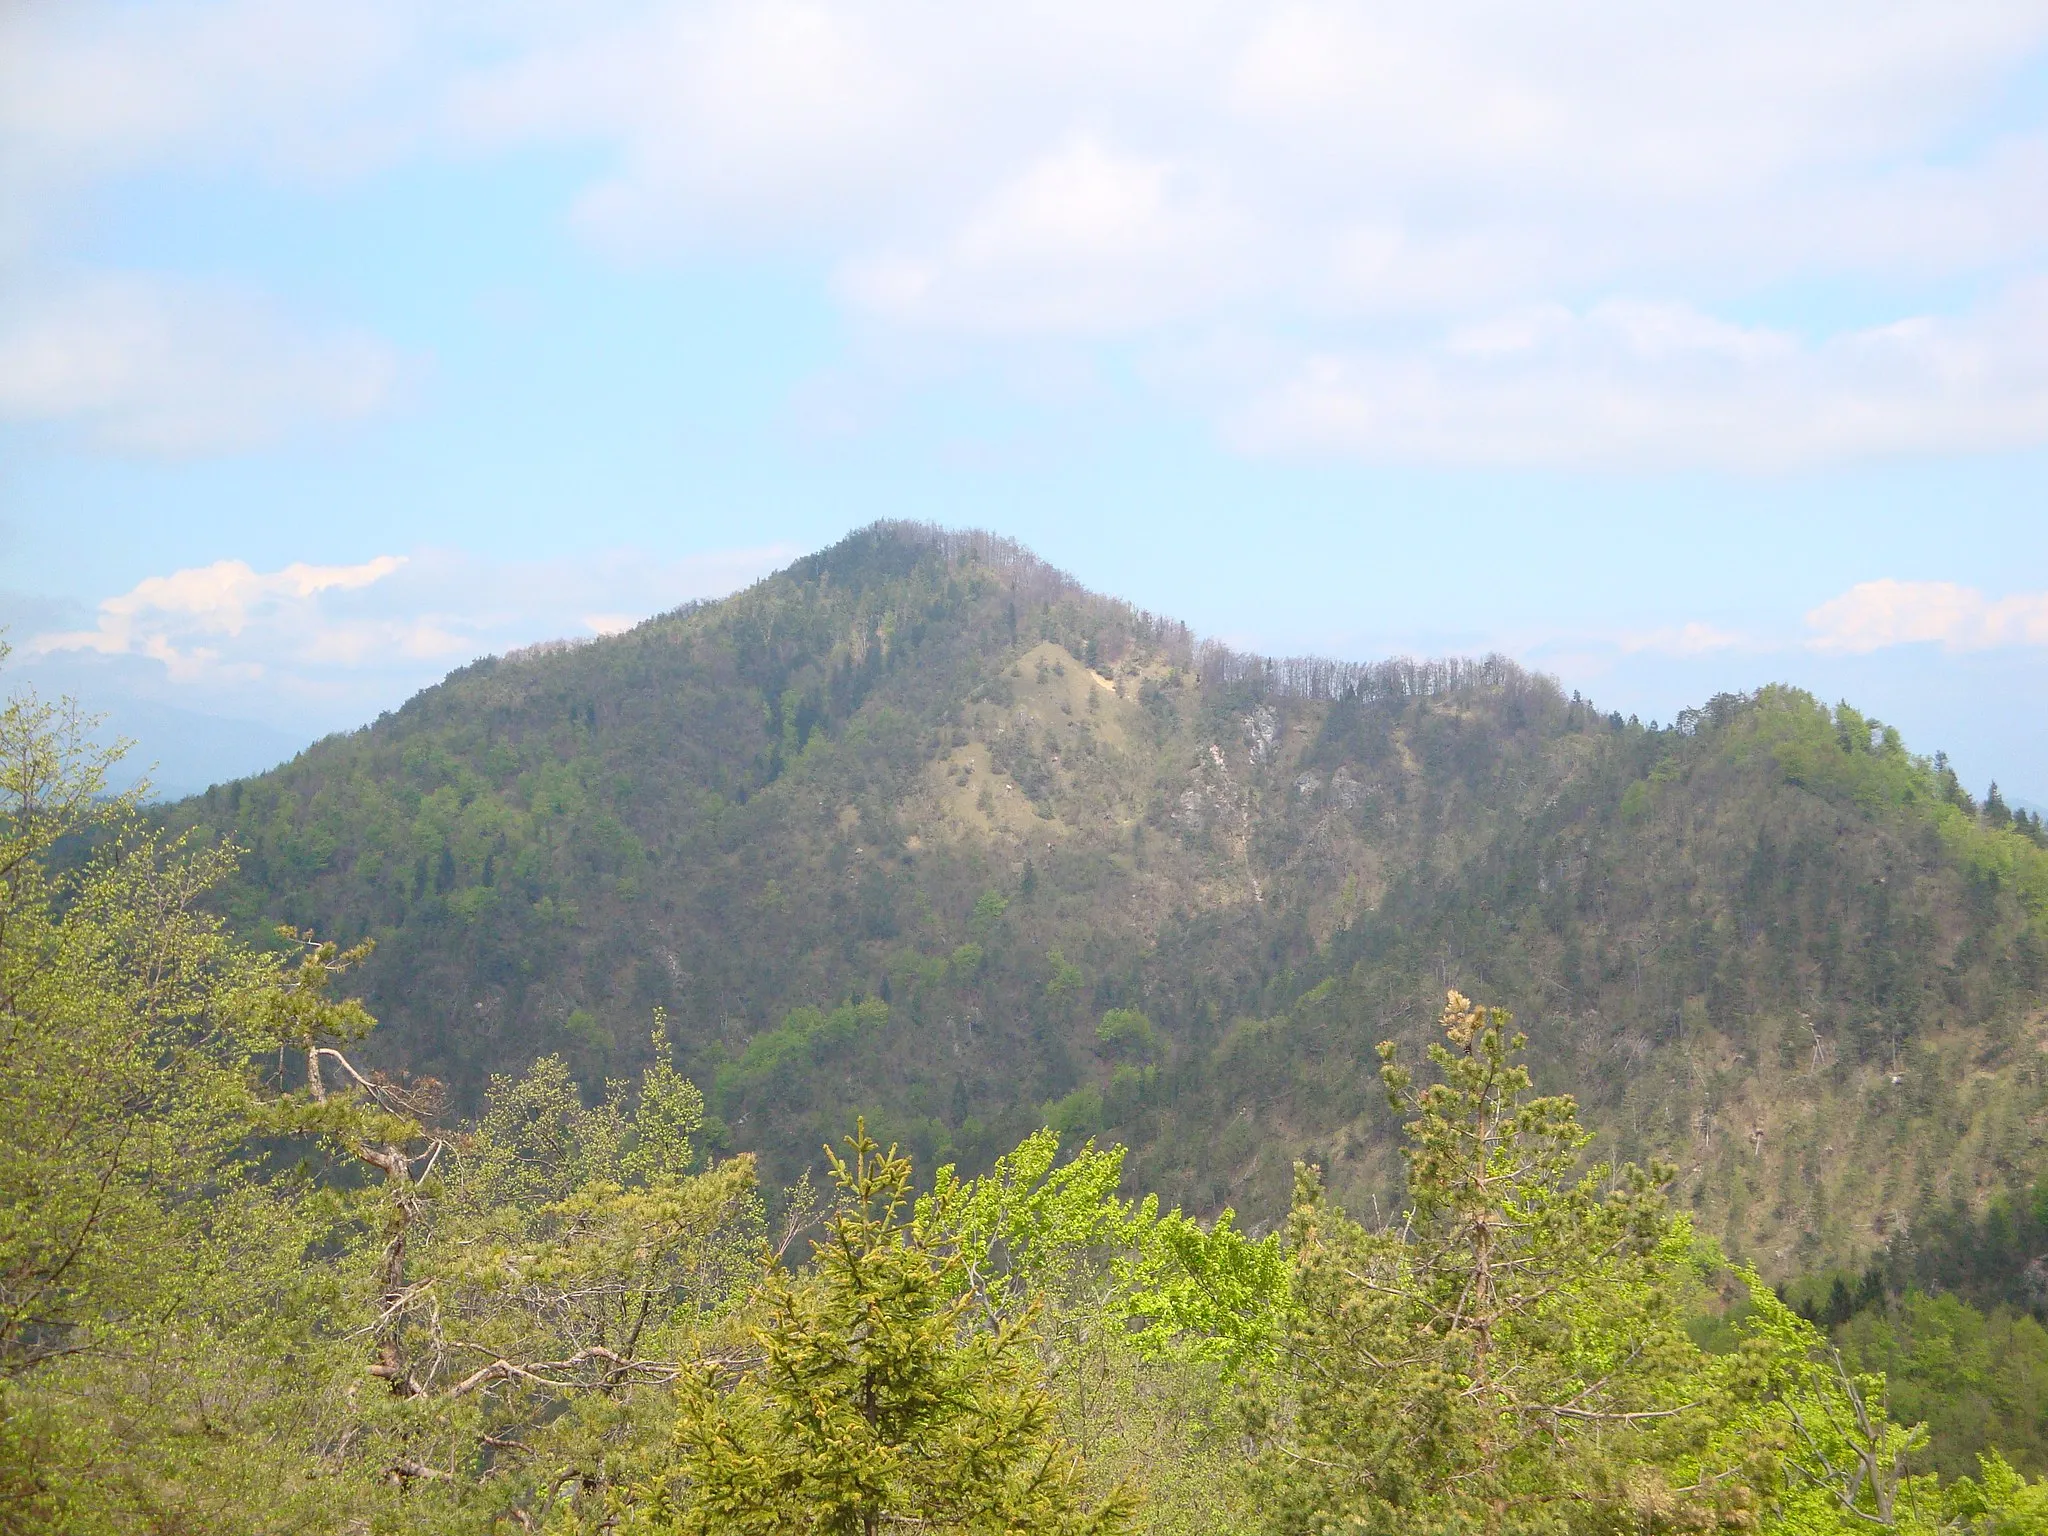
x=920, y=828
x=180, y=751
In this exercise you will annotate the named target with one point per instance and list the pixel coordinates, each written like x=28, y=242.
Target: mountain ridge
x=919, y=826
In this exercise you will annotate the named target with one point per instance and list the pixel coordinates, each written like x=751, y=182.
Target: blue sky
x=1671, y=352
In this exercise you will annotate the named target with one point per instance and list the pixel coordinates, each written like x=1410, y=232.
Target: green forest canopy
x=920, y=830
x=248, y=1285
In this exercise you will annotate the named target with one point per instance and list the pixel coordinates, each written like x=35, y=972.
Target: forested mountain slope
x=921, y=828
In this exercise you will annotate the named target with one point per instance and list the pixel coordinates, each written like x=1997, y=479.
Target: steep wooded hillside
x=919, y=827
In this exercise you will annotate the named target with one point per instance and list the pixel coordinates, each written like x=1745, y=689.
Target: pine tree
x=1511, y=1357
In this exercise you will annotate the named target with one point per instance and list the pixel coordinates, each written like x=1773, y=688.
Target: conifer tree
x=884, y=1398
x=1996, y=811
x=1511, y=1357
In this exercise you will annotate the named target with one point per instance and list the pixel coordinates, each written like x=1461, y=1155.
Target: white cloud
x=1384, y=208
x=97, y=89
x=725, y=118
x=1693, y=638
x=334, y=643
x=1875, y=614
x=149, y=366
x=1385, y=194
x=1604, y=136
x=1084, y=239
x=1534, y=151
x=190, y=618
x=1640, y=385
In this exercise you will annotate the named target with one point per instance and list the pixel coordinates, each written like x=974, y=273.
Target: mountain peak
x=907, y=827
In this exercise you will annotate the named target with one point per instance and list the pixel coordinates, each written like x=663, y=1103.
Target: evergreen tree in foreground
x=1512, y=1358
x=880, y=1401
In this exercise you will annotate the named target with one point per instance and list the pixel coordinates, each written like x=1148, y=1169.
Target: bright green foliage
x=126, y=1016
x=1066, y=977
x=1846, y=1465
x=1032, y=1224
x=1997, y=1502
x=1217, y=1294
x=881, y=1400
x=1973, y=1380
x=1128, y=1033
x=670, y=1115
x=1512, y=1358
x=1852, y=758
x=1059, y=1235
x=989, y=907
x=772, y=1069
x=1140, y=1315
x=1077, y=1116
x=167, y=1348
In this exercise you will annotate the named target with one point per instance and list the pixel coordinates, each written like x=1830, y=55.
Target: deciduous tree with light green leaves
x=200, y=1331
x=1843, y=1465
x=1141, y=1316
x=154, y=1282
x=542, y=1277
x=126, y=1016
